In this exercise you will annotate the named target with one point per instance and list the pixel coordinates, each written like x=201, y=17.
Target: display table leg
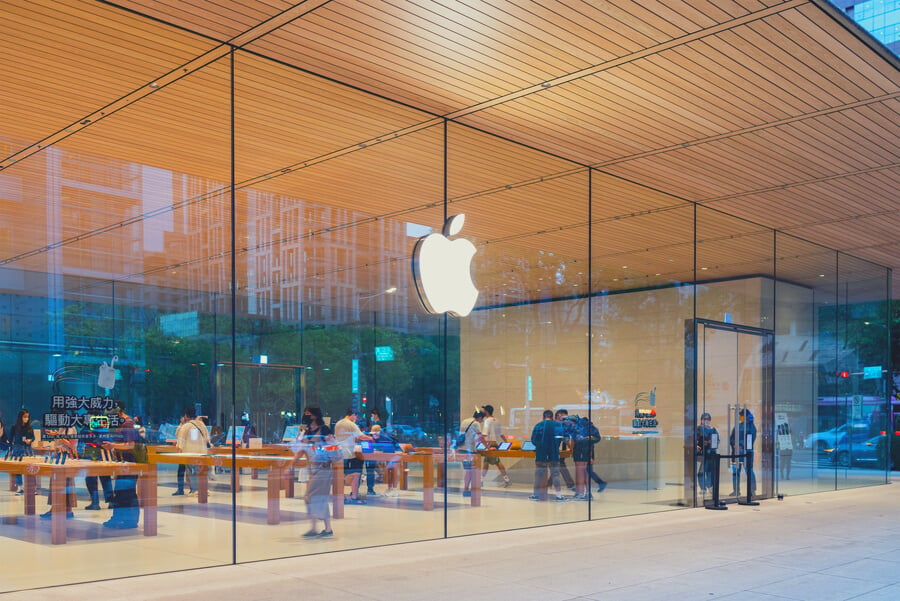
x=428, y=482
x=273, y=493
x=30, y=486
x=476, y=480
x=337, y=489
x=57, y=509
x=203, y=484
x=147, y=483
x=288, y=481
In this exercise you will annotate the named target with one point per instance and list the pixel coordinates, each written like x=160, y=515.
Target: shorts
x=492, y=460
x=353, y=466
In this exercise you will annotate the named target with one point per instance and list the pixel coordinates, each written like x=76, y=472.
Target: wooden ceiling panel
x=799, y=152
x=64, y=60
x=397, y=177
x=774, y=111
x=183, y=128
x=218, y=20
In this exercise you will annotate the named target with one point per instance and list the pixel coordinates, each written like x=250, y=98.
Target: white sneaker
x=506, y=482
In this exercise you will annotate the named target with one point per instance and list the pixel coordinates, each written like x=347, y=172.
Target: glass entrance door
x=734, y=394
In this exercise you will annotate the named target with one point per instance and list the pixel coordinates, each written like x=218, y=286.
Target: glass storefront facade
x=277, y=278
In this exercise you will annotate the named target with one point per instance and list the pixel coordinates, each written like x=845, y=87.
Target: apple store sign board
x=384, y=353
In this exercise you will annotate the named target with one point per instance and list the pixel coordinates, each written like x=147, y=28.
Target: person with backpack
x=561, y=416
x=192, y=437
x=585, y=436
x=469, y=437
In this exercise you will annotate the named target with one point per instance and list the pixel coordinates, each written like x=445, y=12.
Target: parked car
x=405, y=433
x=829, y=438
x=854, y=450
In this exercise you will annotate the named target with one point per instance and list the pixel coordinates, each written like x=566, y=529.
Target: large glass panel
x=860, y=452
x=523, y=351
x=734, y=270
x=642, y=256
x=806, y=360
x=109, y=283
x=735, y=279
x=328, y=318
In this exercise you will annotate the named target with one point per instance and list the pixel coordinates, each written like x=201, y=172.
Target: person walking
x=313, y=442
x=493, y=434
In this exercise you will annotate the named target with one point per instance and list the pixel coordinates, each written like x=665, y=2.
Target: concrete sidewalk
x=831, y=546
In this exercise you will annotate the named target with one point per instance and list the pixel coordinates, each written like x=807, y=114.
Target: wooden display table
x=279, y=469
x=423, y=456
x=33, y=467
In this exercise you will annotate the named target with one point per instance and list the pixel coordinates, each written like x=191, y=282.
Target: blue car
x=855, y=450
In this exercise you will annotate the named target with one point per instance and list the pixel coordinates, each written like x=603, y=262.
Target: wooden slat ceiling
x=775, y=112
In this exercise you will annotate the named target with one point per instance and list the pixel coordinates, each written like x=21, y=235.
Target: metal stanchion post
x=716, y=504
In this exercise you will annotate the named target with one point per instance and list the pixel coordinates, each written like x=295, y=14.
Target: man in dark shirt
x=125, y=505
x=546, y=437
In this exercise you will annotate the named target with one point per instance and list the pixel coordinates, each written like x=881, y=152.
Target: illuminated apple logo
x=441, y=269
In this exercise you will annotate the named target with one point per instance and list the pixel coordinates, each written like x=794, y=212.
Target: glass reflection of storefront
x=295, y=292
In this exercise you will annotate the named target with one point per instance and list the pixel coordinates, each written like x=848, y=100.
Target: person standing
x=546, y=437
x=742, y=441
x=191, y=437
x=584, y=437
x=125, y=504
x=347, y=434
x=373, y=470
x=4, y=441
x=375, y=419
x=91, y=450
x=707, y=442
x=63, y=442
x=21, y=437
x=470, y=430
x=493, y=434
x=380, y=437
x=318, y=487
x=560, y=416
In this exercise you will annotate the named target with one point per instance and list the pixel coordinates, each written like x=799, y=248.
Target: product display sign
x=783, y=437
x=81, y=413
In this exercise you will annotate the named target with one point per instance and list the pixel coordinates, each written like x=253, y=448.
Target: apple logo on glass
x=441, y=269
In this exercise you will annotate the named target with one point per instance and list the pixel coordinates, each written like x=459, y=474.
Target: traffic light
x=364, y=403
